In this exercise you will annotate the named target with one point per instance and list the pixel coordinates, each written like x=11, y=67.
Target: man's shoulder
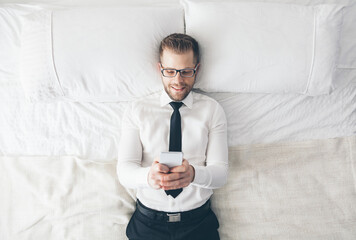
x=204, y=99
x=147, y=100
x=138, y=106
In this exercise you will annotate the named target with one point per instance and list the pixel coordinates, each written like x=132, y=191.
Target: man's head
x=178, y=51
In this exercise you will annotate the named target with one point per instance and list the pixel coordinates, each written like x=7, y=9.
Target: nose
x=178, y=79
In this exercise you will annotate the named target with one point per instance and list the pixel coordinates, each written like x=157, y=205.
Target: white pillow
x=10, y=45
x=347, y=40
x=265, y=47
x=96, y=54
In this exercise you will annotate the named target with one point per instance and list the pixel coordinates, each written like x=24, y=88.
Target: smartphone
x=171, y=159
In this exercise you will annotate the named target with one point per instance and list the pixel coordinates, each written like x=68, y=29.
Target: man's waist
x=190, y=198
x=174, y=216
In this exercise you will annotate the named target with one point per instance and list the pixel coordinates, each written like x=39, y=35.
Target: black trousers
x=142, y=227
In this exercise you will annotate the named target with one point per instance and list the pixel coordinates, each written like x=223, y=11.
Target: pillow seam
x=53, y=65
x=313, y=57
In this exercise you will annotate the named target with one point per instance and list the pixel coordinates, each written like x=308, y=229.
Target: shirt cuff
x=201, y=176
x=142, y=176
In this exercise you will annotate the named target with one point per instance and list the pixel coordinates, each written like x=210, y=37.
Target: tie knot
x=176, y=105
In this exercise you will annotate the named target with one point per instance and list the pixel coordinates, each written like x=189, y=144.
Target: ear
x=198, y=66
x=159, y=67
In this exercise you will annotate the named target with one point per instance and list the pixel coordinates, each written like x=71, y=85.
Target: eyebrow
x=176, y=68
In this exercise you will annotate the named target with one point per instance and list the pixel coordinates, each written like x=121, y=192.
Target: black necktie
x=175, y=139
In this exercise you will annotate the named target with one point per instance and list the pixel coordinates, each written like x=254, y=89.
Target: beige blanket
x=304, y=190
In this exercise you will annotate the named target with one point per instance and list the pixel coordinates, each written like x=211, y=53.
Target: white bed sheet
x=270, y=118
x=92, y=130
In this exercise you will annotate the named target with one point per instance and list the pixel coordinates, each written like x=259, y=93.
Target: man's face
x=177, y=87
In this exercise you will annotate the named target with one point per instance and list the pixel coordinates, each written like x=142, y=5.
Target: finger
x=157, y=179
x=175, y=179
x=182, y=180
x=161, y=168
x=155, y=161
x=181, y=168
x=175, y=184
x=172, y=177
x=154, y=180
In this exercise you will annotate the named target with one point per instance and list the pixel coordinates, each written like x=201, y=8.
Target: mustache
x=179, y=86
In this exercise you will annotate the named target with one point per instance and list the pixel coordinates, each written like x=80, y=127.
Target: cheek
x=190, y=83
x=165, y=83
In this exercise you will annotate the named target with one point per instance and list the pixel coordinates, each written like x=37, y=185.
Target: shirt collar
x=165, y=99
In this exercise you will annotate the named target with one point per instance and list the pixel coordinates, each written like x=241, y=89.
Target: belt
x=173, y=216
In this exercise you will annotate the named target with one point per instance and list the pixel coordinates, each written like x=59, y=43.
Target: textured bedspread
x=290, y=190
x=304, y=190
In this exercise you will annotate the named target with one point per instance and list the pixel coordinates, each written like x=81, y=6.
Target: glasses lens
x=169, y=72
x=187, y=73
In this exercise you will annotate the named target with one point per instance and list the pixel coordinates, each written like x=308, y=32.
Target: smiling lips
x=178, y=89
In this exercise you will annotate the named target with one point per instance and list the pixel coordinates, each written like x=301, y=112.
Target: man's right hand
x=156, y=174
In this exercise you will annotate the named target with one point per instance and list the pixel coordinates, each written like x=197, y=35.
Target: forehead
x=175, y=60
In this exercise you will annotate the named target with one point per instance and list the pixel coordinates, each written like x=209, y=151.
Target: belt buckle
x=173, y=217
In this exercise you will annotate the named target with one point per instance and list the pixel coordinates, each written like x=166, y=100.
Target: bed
x=292, y=144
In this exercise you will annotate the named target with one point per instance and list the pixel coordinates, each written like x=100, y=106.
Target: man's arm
x=129, y=170
x=214, y=174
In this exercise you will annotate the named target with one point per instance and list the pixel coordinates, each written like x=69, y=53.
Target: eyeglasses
x=186, y=72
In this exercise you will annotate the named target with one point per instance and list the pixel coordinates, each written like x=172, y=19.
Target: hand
x=160, y=176
x=179, y=176
x=156, y=174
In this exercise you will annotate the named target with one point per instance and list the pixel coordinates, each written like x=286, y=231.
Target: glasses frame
x=179, y=71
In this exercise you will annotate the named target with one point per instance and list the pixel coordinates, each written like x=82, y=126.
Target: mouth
x=178, y=89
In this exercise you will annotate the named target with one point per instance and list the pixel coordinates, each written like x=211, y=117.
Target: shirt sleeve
x=214, y=174
x=129, y=170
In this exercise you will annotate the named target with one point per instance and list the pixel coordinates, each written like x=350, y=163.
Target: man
x=173, y=203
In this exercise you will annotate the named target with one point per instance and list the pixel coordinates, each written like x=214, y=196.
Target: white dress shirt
x=145, y=134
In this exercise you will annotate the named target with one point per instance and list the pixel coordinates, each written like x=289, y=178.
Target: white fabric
x=267, y=118
x=347, y=57
x=38, y=72
x=273, y=192
x=62, y=197
x=92, y=130
x=96, y=54
x=290, y=190
x=145, y=134
x=10, y=44
x=265, y=47
x=13, y=11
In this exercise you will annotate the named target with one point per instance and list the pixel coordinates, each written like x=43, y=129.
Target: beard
x=178, y=95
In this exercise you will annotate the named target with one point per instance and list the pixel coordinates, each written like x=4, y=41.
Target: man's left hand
x=179, y=176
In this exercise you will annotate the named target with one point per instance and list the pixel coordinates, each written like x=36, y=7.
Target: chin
x=179, y=97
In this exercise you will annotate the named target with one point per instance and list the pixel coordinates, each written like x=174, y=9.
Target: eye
x=187, y=72
x=170, y=72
